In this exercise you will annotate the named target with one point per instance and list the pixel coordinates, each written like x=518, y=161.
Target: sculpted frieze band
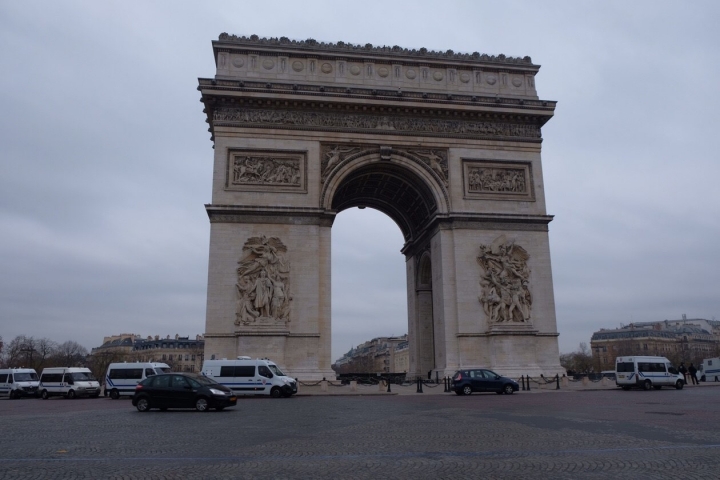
x=504, y=282
x=263, y=285
x=392, y=124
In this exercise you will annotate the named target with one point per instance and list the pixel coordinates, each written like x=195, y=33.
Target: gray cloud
x=106, y=159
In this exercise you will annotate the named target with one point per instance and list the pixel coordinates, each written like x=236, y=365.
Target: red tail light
x=138, y=387
x=459, y=376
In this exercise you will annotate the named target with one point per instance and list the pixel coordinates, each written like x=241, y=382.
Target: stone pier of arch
x=448, y=145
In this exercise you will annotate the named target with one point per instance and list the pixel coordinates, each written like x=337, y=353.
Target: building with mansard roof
x=685, y=340
x=182, y=354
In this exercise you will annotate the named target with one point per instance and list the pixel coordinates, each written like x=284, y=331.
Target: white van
x=246, y=376
x=646, y=373
x=709, y=370
x=68, y=381
x=121, y=378
x=18, y=382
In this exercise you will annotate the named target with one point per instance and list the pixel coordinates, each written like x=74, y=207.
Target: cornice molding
x=213, y=86
x=269, y=215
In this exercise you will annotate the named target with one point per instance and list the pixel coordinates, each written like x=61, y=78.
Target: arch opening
x=369, y=292
x=391, y=189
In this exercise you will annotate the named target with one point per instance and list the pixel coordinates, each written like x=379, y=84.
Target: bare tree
x=579, y=361
x=20, y=352
x=99, y=362
x=70, y=354
x=45, y=349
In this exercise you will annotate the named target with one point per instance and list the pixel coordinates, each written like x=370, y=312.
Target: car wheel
x=625, y=387
x=467, y=390
x=114, y=394
x=679, y=384
x=201, y=404
x=275, y=392
x=71, y=394
x=143, y=404
x=647, y=384
x=44, y=395
x=508, y=389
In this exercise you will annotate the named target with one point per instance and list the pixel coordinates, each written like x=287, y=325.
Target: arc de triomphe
x=445, y=144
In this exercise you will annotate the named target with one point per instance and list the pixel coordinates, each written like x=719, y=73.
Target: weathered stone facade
x=446, y=144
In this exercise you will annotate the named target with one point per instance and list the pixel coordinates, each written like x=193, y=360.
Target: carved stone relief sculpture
x=505, y=295
x=436, y=160
x=263, y=285
x=433, y=160
x=496, y=180
x=501, y=180
x=283, y=171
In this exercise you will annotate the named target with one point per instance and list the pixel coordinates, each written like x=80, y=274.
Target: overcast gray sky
x=106, y=162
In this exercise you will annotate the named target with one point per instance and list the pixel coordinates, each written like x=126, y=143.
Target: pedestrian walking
x=683, y=370
x=693, y=372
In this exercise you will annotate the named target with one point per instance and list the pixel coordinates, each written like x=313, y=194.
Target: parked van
x=646, y=373
x=121, y=378
x=246, y=376
x=68, y=381
x=709, y=370
x=18, y=382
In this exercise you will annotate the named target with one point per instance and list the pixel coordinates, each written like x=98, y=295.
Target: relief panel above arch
x=266, y=170
x=498, y=180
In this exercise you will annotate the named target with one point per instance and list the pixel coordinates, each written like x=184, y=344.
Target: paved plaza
x=566, y=434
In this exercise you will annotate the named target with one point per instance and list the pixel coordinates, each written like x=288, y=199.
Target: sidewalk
x=335, y=389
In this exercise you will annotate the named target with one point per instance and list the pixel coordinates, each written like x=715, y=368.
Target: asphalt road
x=556, y=435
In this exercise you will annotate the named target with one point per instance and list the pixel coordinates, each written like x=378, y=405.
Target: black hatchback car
x=468, y=381
x=182, y=390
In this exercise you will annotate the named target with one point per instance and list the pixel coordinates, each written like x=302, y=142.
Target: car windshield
x=82, y=376
x=26, y=377
x=276, y=370
x=162, y=370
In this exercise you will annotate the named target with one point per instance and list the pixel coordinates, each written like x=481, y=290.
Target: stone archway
x=445, y=144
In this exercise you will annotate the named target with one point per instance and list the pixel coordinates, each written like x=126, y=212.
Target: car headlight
x=215, y=391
